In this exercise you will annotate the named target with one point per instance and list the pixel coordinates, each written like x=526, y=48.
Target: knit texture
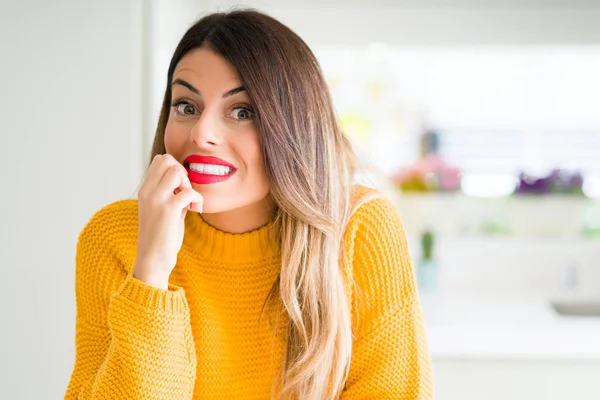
x=205, y=337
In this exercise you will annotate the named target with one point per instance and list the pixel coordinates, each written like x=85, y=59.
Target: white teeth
x=211, y=169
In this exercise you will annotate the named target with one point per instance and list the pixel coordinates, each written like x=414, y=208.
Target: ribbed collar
x=231, y=248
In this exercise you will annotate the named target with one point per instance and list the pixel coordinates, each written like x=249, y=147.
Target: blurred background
x=480, y=119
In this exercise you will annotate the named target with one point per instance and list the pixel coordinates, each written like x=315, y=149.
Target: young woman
x=250, y=266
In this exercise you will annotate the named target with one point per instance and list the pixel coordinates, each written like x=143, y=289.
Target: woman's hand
x=163, y=201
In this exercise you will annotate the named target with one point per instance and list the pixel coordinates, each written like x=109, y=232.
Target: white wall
x=167, y=22
x=433, y=22
x=70, y=112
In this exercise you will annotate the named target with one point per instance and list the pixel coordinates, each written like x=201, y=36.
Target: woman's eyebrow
x=186, y=84
x=234, y=91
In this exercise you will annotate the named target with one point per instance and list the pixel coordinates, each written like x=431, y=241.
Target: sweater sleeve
x=132, y=341
x=390, y=354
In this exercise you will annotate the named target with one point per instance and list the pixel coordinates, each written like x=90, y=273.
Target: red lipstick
x=203, y=178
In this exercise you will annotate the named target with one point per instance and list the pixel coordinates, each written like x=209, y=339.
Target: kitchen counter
x=502, y=326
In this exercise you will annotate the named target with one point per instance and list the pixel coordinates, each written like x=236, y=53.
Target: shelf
x=456, y=214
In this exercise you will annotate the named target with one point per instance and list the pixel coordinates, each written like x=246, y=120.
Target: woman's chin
x=209, y=207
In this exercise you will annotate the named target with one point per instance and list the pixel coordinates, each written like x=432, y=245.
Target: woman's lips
x=209, y=165
x=202, y=178
x=198, y=159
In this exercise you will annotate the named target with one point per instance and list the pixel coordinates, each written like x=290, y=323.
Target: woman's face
x=212, y=133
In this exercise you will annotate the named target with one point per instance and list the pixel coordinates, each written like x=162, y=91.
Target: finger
x=170, y=162
x=170, y=182
x=158, y=168
x=197, y=207
x=185, y=183
x=185, y=180
x=153, y=174
x=188, y=198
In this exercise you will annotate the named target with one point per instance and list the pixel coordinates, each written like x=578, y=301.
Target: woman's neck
x=243, y=219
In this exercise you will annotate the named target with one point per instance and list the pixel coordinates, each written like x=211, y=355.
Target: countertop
x=506, y=326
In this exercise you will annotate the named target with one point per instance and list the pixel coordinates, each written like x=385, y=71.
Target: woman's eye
x=242, y=113
x=185, y=108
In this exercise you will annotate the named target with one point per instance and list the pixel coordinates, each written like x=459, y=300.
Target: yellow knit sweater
x=203, y=338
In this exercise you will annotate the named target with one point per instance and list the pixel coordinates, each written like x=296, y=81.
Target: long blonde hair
x=310, y=166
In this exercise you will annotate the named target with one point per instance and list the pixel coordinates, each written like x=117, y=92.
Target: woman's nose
x=205, y=132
